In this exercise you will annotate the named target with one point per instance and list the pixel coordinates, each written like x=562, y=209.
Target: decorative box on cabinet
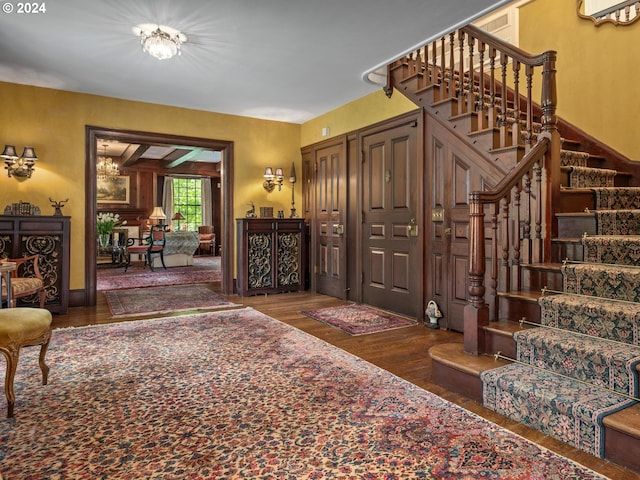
x=271, y=255
x=22, y=236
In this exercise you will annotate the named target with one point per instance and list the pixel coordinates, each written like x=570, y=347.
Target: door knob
x=338, y=229
x=447, y=232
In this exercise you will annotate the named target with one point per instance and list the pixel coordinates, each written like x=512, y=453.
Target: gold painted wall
x=360, y=113
x=53, y=122
x=597, y=70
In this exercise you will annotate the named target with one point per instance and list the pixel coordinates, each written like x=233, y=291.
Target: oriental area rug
x=203, y=270
x=237, y=394
x=359, y=319
x=176, y=298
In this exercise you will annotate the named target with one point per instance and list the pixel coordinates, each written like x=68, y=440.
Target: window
x=187, y=199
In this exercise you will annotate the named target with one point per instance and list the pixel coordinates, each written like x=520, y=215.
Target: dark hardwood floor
x=403, y=352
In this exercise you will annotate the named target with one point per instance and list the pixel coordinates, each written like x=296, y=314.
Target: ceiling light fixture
x=106, y=167
x=160, y=41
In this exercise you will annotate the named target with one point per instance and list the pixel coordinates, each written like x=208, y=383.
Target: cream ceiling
x=288, y=60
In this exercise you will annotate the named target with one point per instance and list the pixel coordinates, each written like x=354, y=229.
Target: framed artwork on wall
x=113, y=189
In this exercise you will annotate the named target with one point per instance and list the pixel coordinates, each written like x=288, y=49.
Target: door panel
x=331, y=195
x=391, y=269
x=454, y=173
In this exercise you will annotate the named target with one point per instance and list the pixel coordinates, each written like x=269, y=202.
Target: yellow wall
x=53, y=122
x=597, y=70
x=360, y=113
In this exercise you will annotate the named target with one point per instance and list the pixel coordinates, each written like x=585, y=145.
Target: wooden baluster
x=443, y=83
x=460, y=88
x=538, y=245
x=529, y=127
x=494, y=261
x=504, y=103
x=434, y=69
x=515, y=260
x=426, y=80
x=452, y=86
x=480, y=106
x=526, y=227
x=470, y=80
x=476, y=312
x=506, y=239
x=492, y=113
x=515, y=126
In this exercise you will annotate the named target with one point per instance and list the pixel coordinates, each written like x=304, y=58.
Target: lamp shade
x=177, y=216
x=157, y=214
x=9, y=152
x=268, y=173
x=29, y=153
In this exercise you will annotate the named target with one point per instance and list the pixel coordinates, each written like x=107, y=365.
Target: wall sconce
x=272, y=180
x=19, y=166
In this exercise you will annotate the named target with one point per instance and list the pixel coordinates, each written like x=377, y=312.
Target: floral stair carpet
x=237, y=394
x=167, y=299
x=359, y=319
x=582, y=363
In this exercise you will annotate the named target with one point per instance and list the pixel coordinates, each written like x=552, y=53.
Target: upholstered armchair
x=207, y=239
x=26, y=280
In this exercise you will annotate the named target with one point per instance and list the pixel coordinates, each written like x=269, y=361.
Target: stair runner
x=582, y=363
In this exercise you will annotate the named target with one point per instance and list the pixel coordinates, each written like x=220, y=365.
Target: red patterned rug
x=175, y=298
x=237, y=394
x=203, y=270
x=359, y=319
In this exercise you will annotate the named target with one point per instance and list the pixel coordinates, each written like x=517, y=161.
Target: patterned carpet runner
x=562, y=408
x=582, y=363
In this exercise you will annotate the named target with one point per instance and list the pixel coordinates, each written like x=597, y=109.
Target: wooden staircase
x=473, y=83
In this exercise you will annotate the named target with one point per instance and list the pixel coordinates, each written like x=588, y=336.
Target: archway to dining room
x=141, y=147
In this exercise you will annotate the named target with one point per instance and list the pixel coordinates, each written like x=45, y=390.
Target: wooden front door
x=330, y=257
x=391, y=225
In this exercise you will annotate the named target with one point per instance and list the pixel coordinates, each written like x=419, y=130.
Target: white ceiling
x=288, y=60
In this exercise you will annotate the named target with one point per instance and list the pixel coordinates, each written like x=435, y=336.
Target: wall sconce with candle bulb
x=271, y=179
x=19, y=166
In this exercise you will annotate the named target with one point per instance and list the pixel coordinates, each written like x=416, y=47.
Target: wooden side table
x=5, y=272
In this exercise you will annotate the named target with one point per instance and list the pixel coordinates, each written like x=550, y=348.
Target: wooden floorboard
x=403, y=352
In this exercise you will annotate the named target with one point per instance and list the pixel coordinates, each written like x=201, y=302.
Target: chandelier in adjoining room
x=106, y=167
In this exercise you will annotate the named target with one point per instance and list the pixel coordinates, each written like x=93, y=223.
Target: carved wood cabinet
x=22, y=236
x=271, y=255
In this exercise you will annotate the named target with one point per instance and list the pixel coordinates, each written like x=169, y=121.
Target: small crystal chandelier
x=162, y=42
x=106, y=167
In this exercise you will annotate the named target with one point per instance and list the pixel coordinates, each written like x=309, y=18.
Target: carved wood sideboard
x=26, y=235
x=271, y=255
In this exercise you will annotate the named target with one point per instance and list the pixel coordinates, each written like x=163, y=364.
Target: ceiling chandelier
x=160, y=41
x=106, y=166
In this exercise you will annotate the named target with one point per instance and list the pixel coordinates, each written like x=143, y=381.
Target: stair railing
x=479, y=76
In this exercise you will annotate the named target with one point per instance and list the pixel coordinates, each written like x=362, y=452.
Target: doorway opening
x=93, y=138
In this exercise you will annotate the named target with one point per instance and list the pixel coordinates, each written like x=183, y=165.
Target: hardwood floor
x=403, y=352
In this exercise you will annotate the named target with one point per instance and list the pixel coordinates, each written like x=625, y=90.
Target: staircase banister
x=516, y=173
x=502, y=46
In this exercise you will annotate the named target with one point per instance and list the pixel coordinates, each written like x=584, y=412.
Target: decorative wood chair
x=207, y=239
x=21, y=327
x=26, y=280
x=154, y=245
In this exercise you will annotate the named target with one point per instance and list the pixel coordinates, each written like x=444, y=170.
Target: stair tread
x=547, y=267
x=526, y=295
x=626, y=421
x=454, y=356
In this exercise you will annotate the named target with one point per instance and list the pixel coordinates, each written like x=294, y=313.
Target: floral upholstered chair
x=26, y=280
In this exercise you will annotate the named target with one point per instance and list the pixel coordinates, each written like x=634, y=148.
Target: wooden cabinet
x=271, y=255
x=22, y=236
